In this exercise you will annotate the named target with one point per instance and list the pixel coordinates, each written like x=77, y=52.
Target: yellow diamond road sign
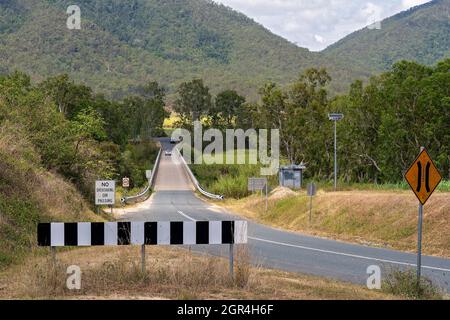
x=423, y=177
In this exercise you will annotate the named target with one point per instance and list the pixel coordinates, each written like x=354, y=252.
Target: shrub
x=404, y=283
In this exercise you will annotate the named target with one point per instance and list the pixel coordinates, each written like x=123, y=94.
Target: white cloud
x=319, y=39
x=412, y=3
x=315, y=24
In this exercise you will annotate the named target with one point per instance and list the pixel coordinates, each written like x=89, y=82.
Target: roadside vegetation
x=384, y=218
x=386, y=121
x=404, y=283
x=56, y=139
x=172, y=273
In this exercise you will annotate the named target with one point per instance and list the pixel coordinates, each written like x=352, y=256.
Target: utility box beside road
x=292, y=176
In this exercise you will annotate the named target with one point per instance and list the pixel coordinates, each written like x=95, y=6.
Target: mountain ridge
x=125, y=44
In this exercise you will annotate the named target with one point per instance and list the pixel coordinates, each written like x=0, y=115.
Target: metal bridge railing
x=145, y=194
x=195, y=181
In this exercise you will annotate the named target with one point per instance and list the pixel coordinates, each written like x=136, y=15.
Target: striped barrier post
x=85, y=234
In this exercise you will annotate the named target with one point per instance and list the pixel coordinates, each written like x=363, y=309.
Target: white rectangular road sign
x=257, y=184
x=312, y=189
x=148, y=174
x=105, y=193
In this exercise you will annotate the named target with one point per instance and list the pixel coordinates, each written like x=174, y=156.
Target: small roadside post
x=105, y=193
x=423, y=177
x=259, y=184
x=312, y=191
x=125, y=185
x=148, y=175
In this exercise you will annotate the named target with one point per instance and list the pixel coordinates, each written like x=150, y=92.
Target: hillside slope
x=377, y=218
x=420, y=34
x=29, y=194
x=123, y=44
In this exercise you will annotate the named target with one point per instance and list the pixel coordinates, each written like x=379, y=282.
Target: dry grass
x=172, y=273
x=377, y=218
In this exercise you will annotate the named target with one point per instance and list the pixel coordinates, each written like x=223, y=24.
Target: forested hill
x=124, y=44
x=421, y=34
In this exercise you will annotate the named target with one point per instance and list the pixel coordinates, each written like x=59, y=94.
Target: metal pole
x=232, y=261
x=143, y=258
x=335, y=156
x=53, y=254
x=310, y=210
x=419, y=240
x=419, y=245
x=267, y=198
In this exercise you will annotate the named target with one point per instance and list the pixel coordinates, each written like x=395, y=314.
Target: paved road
x=174, y=200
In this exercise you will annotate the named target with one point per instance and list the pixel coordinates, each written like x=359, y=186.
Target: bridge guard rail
x=145, y=194
x=195, y=181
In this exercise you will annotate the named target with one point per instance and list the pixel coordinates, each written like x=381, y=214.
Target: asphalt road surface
x=175, y=200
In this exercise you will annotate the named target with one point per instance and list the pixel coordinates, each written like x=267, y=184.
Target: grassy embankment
x=172, y=273
x=29, y=194
x=382, y=215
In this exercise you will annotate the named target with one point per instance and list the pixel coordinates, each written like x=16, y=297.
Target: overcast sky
x=315, y=24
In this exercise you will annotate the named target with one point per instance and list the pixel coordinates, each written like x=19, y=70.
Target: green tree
x=194, y=101
x=69, y=97
x=227, y=107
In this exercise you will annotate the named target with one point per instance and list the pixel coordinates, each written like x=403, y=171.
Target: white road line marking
x=333, y=252
x=347, y=254
x=186, y=216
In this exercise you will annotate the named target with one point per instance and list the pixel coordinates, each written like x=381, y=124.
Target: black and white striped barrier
x=141, y=233
x=85, y=234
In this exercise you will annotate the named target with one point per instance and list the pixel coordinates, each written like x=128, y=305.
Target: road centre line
x=347, y=254
x=186, y=216
x=333, y=252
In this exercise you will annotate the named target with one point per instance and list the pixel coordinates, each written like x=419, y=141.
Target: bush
x=136, y=159
x=230, y=181
x=404, y=283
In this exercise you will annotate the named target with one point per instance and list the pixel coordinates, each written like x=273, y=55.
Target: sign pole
x=53, y=253
x=419, y=245
x=419, y=240
x=267, y=199
x=335, y=156
x=423, y=177
x=143, y=258
x=232, y=261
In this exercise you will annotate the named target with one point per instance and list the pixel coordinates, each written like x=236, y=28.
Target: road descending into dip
x=174, y=199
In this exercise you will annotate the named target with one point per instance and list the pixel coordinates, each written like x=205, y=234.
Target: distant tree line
x=386, y=120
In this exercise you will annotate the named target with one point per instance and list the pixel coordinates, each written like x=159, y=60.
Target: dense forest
x=122, y=44
x=419, y=34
